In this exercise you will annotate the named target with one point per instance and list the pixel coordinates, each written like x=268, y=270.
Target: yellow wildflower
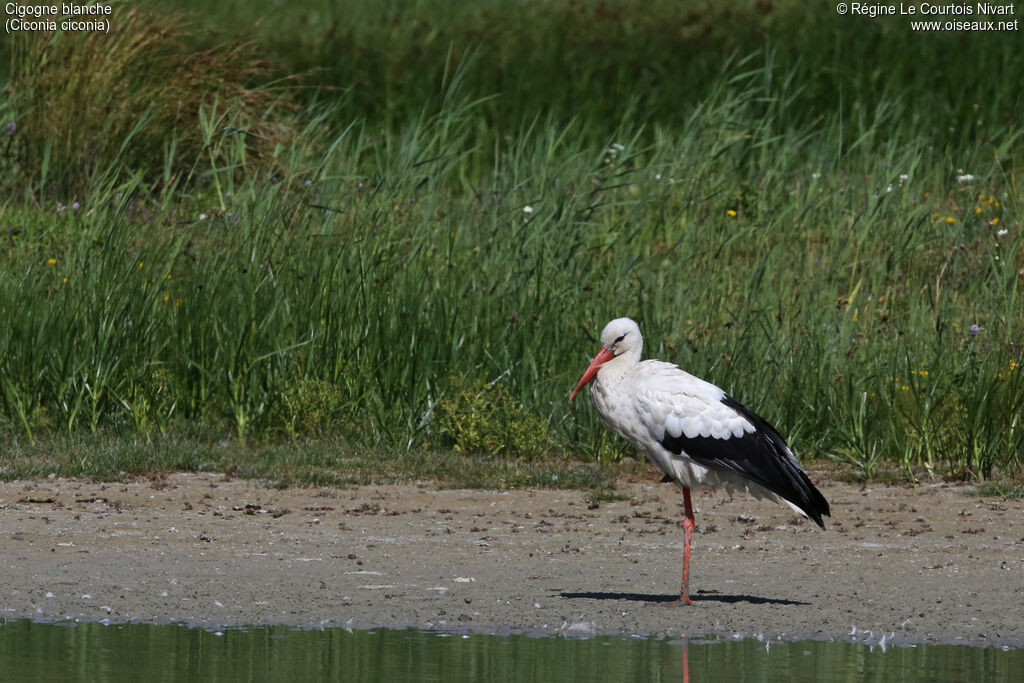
x=51, y=261
x=731, y=213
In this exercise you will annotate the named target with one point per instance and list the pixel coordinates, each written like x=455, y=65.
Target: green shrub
x=151, y=400
x=307, y=406
x=483, y=418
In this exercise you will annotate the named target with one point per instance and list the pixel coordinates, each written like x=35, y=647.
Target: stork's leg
x=688, y=524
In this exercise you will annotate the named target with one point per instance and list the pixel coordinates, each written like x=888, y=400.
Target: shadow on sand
x=697, y=597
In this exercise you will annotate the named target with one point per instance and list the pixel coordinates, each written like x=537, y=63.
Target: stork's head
x=620, y=337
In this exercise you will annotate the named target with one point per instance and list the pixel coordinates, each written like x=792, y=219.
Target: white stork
x=693, y=431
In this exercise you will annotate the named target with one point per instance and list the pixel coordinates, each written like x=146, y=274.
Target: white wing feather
x=672, y=400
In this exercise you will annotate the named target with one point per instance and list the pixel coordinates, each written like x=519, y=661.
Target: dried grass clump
x=130, y=101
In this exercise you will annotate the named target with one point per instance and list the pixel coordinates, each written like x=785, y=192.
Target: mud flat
x=924, y=564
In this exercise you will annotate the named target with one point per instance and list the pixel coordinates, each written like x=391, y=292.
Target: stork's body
x=693, y=431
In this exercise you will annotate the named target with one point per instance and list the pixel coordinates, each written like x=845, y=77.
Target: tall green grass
x=90, y=107
x=821, y=247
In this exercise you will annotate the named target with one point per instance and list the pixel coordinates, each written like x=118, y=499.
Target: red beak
x=600, y=359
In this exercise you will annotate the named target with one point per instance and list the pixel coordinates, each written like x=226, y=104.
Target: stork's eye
x=621, y=337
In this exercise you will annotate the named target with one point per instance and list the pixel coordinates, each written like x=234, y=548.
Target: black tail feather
x=761, y=456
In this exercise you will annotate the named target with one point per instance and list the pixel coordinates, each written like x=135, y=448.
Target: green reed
x=816, y=245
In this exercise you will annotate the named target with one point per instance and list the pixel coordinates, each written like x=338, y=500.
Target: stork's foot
x=684, y=598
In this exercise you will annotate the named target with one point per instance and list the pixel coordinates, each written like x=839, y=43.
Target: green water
x=32, y=651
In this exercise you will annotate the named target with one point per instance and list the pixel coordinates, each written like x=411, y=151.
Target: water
x=31, y=651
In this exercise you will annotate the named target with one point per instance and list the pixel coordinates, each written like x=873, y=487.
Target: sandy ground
x=924, y=564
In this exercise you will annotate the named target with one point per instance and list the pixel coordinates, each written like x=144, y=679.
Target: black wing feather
x=762, y=456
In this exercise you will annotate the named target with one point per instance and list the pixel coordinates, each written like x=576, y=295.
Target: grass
x=1001, y=489
x=301, y=462
x=417, y=264
x=96, y=106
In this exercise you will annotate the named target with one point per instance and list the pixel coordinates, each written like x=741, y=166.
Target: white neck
x=614, y=370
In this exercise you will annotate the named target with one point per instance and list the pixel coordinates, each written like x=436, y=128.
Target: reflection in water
x=132, y=652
